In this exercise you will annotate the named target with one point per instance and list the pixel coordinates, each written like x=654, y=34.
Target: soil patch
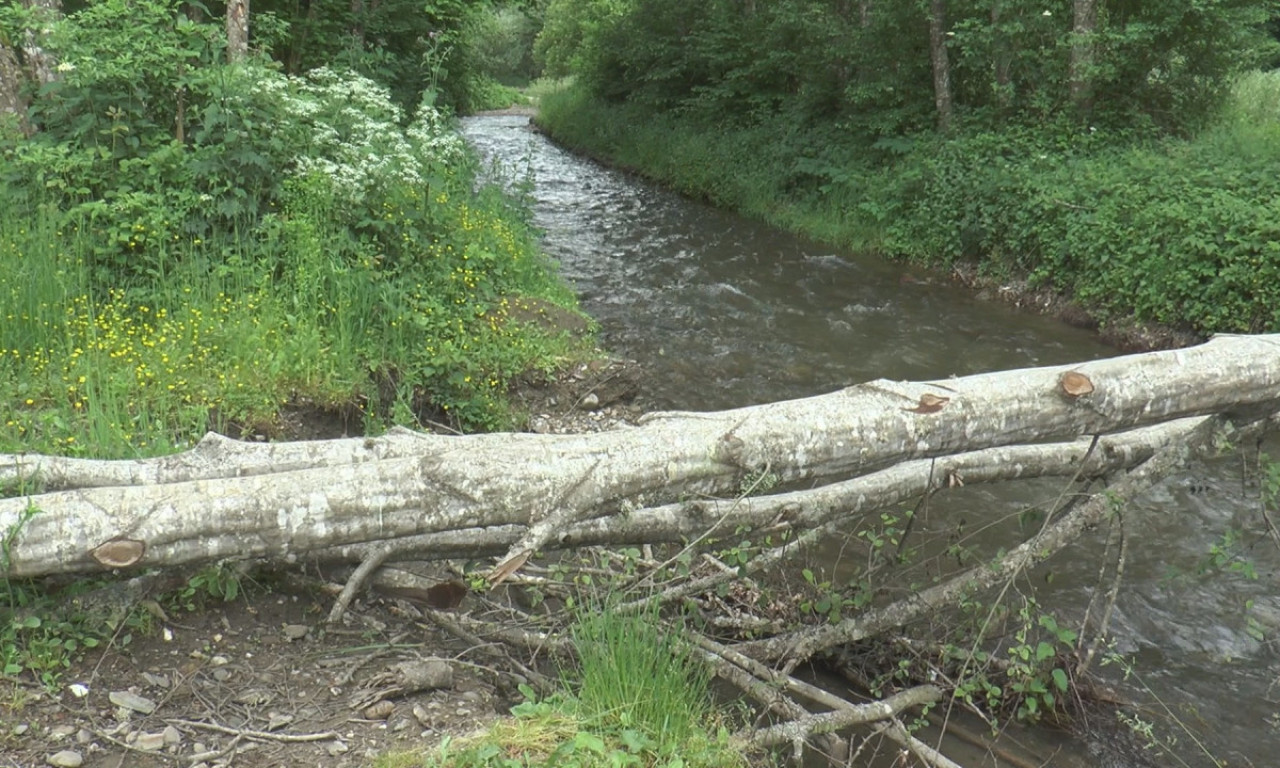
x=256, y=682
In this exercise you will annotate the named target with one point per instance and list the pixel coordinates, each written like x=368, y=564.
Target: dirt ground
x=255, y=682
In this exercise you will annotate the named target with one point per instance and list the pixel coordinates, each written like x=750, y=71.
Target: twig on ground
x=286, y=738
x=448, y=624
x=372, y=561
x=130, y=748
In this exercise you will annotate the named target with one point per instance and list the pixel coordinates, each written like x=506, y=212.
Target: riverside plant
x=376, y=279
x=636, y=697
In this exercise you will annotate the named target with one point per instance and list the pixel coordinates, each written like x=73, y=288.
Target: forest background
x=1122, y=153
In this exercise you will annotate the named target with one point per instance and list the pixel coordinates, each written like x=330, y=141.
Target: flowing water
x=725, y=312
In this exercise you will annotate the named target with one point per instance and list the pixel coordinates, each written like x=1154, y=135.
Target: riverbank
x=1153, y=244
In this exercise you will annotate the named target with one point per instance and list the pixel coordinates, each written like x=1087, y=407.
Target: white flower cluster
x=356, y=136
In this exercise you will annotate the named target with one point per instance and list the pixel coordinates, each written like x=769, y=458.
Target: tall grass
x=236, y=327
x=636, y=673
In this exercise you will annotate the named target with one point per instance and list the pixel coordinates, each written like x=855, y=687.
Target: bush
x=158, y=287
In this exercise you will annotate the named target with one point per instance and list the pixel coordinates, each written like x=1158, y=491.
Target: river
x=723, y=312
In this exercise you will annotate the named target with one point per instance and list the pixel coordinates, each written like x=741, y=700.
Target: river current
x=723, y=312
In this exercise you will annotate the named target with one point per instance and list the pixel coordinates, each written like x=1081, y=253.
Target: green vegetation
x=1142, y=179
x=637, y=698
x=188, y=244
x=159, y=282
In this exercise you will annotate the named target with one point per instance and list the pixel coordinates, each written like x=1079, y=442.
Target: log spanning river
x=725, y=312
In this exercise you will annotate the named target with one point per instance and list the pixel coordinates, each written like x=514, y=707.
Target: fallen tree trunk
x=217, y=504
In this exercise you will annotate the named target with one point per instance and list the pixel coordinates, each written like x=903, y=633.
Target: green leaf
x=589, y=741
x=1060, y=679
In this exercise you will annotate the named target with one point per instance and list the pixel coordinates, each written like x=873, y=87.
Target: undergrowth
x=374, y=280
x=637, y=697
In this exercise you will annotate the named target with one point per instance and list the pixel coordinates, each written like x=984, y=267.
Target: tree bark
x=941, y=67
x=357, y=23
x=40, y=63
x=237, y=30
x=1001, y=60
x=224, y=500
x=13, y=103
x=1083, y=30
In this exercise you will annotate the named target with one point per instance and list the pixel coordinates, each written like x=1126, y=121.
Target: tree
x=13, y=103
x=1084, y=24
x=237, y=30
x=230, y=500
x=40, y=64
x=938, y=61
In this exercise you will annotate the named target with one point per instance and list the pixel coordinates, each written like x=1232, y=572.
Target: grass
x=231, y=331
x=636, y=698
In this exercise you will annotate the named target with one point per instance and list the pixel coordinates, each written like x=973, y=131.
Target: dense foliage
x=1118, y=164
x=866, y=67
x=191, y=244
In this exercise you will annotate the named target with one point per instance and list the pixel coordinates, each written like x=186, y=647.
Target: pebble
x=222, y=674
x=380, y=711
x=472, y=696
x=150, y=742
x=293, y=632
x=336, y=748
x=171, y=735
x=132, y=701
x=159, y=681
x=20, y=729
x=421, y=714
x=62, y=731
x=67, y=758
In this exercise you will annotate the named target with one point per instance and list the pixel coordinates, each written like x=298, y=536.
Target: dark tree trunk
x=298, y=42
x=357, y=23
x=1083, y=28
x=13, y=104
x=941, y=67
x=1001, y=59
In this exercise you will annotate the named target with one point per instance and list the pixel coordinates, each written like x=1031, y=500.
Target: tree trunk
x=1083, y=29
x=938, y=58
x=280, y=501
x=237, y=30
x=13, y=103
x=357, y=23
x=40, y=63
x=298, y=40
x=1001, y=60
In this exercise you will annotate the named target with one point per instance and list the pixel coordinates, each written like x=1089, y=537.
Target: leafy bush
x=293, y=242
